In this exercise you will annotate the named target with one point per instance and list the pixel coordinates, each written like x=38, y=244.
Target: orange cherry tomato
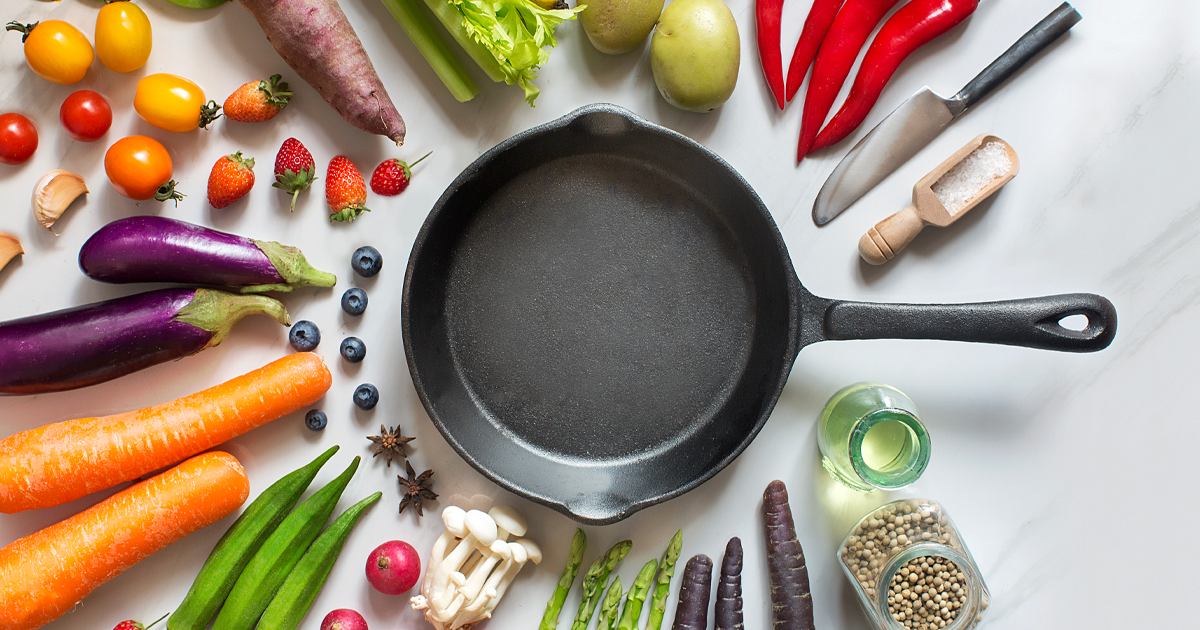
x=173, y=103
x=140, y=168
x=123, y=36
x=55, y=50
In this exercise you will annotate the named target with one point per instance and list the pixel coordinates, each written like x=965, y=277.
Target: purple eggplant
x=157, y=249
x=98, y=342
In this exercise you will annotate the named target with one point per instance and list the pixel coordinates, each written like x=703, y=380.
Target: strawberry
x=258, y=101
x=345, y=190
x=294, y=168
x=231, y=178
x=392, y=176
x=130, y=624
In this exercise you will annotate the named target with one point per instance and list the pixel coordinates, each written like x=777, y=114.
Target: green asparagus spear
x=611, y=606
x=595, y=579
x=637, y=596
x=662, y=588
x=554, y=606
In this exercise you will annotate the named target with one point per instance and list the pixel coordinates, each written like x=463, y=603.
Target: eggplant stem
x=292, y=267
x=217, y=312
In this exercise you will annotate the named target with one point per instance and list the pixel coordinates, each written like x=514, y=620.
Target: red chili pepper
x=767, y=16
x=819, y=19
x=913, y=26
x=850, y=30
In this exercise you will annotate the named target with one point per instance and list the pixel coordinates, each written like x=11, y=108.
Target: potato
x=619, y=26
x=695, y=53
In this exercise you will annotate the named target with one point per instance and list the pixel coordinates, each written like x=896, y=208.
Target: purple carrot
x=691, y=613
x=729, y=588
x=791, y=600
x=95, y=343
x=157, y=249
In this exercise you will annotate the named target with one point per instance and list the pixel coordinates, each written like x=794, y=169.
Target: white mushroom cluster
x=472, y=564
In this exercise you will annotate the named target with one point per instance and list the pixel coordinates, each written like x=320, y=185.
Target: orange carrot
x=44, y=574
x=64, y=461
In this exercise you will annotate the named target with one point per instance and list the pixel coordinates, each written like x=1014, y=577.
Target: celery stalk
x=420, y=30
x=452, y=19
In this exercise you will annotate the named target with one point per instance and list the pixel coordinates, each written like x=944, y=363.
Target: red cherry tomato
x=18, y=139
x=85, y=115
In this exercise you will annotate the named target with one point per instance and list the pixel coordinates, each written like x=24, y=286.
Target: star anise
x=415, y=489
x=390, y=442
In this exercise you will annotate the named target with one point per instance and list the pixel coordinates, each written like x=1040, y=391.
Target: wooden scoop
x=882, y=242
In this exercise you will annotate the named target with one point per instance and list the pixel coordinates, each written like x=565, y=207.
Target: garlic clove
x=10, y=247
x=53, y=193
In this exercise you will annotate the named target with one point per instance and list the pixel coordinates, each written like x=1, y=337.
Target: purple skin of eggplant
x=98, y=342
x=158, y=249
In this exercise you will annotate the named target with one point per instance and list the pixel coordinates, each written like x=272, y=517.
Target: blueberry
x=366, y=396
x=315, y=420
x=353, y=349
x=354, y=301
x=366, y=261
x=305, y=336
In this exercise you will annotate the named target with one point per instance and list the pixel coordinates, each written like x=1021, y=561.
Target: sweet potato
x=316, y=40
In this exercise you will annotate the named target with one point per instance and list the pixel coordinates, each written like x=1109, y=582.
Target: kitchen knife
x=923, y=116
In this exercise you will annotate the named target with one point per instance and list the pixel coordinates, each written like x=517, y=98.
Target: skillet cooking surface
x=613, y=297
x=597, y=314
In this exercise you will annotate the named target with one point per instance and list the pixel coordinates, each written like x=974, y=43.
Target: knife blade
x=923, y=116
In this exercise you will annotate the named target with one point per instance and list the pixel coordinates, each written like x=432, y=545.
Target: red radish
x=393, y=567
x=343, y=619
x=133, y=624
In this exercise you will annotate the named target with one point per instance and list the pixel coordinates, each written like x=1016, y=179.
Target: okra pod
x=298, y=591
x=595, y=579
x=554, y=606
x=611, y=606
x=239, y=544
x=637, y=596
x=278, y=555
x=662, y=586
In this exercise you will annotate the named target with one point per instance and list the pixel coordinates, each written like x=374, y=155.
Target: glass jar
x=870, y=437
x=911, y=569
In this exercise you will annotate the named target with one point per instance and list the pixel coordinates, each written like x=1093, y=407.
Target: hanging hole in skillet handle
x=1093, y=326
x=1076, y=322
x=602, y=120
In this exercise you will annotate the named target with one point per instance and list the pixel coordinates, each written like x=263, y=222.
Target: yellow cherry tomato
x=123, y=36
x=55, y=50
x=173, y=103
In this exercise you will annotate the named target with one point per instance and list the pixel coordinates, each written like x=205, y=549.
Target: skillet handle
x=1032, y=322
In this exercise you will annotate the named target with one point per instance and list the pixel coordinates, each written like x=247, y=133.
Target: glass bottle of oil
x=870, y=437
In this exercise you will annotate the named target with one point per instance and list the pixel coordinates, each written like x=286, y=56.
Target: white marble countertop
x=1052, y=465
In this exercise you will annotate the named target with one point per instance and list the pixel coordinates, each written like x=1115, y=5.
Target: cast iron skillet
x=599, y=315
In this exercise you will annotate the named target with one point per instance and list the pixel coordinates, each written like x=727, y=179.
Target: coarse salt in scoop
x=958, y=184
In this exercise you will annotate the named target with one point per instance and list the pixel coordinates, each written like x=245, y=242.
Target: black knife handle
x=1031, y=43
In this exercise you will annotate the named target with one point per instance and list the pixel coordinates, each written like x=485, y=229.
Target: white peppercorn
x=933, y=585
